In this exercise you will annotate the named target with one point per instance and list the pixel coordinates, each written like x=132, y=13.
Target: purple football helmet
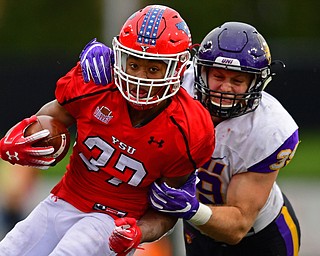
x=234, y=46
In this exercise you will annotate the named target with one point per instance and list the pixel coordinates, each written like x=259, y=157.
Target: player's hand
x=17, y=149
x=181, y=203
x=96, y=61
x=125, y=236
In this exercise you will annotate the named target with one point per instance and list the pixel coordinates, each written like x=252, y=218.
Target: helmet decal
x=149, y=29
x=183, y=26
x=227, y=61
x=265, y=47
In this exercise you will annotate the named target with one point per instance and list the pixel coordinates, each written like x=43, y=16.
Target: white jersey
x=260, y=141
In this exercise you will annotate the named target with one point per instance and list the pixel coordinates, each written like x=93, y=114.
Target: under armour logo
x=12, y=156
x=152, y=140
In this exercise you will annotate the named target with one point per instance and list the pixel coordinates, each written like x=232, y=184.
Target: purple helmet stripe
x=289, y=231
x=150, y=26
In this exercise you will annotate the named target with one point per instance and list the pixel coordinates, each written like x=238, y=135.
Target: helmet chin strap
x=139, y=106
x=253, y=83
x=265, y=83
x=147, y=116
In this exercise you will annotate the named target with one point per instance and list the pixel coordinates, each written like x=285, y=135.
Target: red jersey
x=113, y=163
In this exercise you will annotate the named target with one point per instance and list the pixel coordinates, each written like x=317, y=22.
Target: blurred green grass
x=305, y=164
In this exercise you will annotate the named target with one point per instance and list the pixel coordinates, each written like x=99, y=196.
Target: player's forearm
x=154, y=225
x=226, y=224
x=54, y=109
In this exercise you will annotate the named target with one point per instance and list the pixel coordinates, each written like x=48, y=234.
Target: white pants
x=56, y=228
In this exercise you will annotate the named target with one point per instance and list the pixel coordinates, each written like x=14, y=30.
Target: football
x=59, y=137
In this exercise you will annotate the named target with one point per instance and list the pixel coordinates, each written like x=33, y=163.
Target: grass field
x=306, y=162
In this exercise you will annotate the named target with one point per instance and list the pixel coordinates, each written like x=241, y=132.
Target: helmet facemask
x=154, y=33
x=238, y=47
x=168, y=85
x=238, y=103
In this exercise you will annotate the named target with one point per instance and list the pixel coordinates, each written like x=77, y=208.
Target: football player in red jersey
x=222, y=215
x=137, y=129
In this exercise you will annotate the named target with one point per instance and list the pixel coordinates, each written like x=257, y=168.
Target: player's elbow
x=234, y=237
x=230, y=237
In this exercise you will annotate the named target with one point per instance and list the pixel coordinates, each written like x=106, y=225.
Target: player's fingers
x=103, y=75
x=130, y=221
x=42, y=167
x=108, y=63
x=42, y=161
x=156, y=200
x=95, y=72
x=85, y=68
x=29, y=120
x=90, y=66
x=120, y=222
x=36, y=136
x=43, y=151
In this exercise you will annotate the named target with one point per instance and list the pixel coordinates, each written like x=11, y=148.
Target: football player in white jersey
x=242, y=210
x=236, y=208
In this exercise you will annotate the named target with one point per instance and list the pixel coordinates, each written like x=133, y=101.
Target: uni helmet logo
x=149, y=29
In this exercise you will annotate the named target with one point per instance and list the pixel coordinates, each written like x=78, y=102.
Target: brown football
x=59, y=136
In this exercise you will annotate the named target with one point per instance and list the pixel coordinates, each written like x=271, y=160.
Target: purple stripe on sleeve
x=272, y=162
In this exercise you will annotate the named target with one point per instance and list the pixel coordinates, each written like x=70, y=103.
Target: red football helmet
x=155, y=33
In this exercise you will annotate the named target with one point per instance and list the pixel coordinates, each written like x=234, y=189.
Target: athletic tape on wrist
x=202, y=215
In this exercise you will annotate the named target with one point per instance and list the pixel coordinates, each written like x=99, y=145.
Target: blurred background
x=41, y=40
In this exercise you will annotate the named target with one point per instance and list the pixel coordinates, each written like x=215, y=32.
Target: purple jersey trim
x=264, y=165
